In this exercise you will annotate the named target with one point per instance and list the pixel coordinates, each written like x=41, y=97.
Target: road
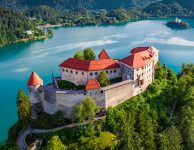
x=21, y=140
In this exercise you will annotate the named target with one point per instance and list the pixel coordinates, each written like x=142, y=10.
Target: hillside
x=16, y=27
x=171, y=8
x=72, y=4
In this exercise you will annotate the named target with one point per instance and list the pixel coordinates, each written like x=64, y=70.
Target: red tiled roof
x=89, y=65
x=34, y=80
x=140, y=56
x=139, y=49
x=103, y=55
x=92, y=85
x=134, y=60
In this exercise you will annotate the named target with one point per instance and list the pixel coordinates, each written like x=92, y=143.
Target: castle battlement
x=136, y=72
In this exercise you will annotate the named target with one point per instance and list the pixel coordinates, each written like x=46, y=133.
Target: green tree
x=172, y=76
x=103, y=79
x=129, y=138
x=106, y=140
x=50, y=32
x=84, y=110
x=23, y=105
x=171, y=139
x=58, y=118
x=147, y=126
x=55, y=144
x=89, y=54
x=79, y=55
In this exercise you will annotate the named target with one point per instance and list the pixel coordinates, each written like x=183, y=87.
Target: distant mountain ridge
x=72, y=4
x=171, y=8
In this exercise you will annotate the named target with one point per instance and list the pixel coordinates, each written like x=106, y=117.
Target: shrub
x=67, y=85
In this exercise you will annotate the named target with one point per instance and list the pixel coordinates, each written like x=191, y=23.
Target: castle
x=136, y=72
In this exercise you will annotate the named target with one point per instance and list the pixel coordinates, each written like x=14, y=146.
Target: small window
x=67, y=70
x=63, y=70
x=115, y=71
x=107, y=71
x=101, y=91
x=30, y=91
x=137, y=69
x=71, y=71
x=76, y=72
x=82, y=73
x=142, y=68
x=111, y=71
x=137, y=75
x=96, y=73
x=84, y=93
x=91, y=74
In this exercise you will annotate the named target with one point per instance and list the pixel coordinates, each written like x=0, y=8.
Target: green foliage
x=50, y=32
x=55, y=144
x=13, y=26
x=23, y=105
x=79, y=55
x=89, y=54
x=84, y=110
x=103, y=79
x=106, y=140
x=55, y=120
x=67, y=85
x=170, y=139
x=58, y=119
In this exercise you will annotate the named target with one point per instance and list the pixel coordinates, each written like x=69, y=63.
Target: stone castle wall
x=109, y=96
x=80, y=77
x=117, y=93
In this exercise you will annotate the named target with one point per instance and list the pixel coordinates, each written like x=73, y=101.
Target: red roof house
x=34, y=80
x=103, y=55
x=92, y=85
x=89, y=65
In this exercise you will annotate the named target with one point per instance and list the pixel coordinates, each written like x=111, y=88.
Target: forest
x=14, y=27
x=160, y=118
x=18, y=17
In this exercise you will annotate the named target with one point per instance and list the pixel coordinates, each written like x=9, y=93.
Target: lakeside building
x=136, y=72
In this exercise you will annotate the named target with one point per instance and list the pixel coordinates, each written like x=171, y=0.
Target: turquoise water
x=18, y=61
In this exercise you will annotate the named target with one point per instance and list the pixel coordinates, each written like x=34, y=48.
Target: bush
x=67, y=85
x=115, y=80
x=89, y=54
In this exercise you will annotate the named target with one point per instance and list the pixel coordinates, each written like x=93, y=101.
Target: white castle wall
x=81, y=77
x=34, y=93
x=117, y=93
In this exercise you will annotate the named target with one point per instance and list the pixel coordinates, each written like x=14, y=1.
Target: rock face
x=72, y=4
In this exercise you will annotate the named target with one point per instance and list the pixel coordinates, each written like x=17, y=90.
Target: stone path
x=25, y=132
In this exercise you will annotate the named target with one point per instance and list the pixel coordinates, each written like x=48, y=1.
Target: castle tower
x=35, y=91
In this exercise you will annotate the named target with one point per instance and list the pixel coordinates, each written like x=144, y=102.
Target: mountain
x=171, y=8
x=72, y=4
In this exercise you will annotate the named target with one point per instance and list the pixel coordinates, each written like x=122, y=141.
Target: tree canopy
x=23, y=105
x=79, y=55
x=89, y=54
x=84, y=110
x=55, y=144
x=103, y=79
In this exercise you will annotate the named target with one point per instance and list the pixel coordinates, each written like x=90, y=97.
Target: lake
x=18, y=61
